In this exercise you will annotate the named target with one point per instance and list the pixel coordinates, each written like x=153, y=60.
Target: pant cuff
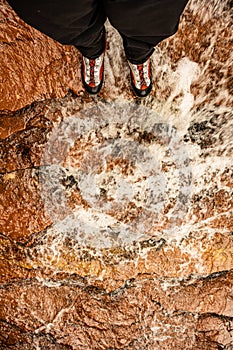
x=142, y=58
x=96, y=48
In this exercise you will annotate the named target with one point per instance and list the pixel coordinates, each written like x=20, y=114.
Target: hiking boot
x=93, y=74
x=141, y=78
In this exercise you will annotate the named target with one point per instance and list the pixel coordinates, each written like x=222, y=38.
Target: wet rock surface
x=86, y=313
x=28, y=58
x=116, y=214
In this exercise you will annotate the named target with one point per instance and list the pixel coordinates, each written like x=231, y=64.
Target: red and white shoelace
x=93, y=70
x=141, y=74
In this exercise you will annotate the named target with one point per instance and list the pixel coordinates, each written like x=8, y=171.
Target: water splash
x=125, y=164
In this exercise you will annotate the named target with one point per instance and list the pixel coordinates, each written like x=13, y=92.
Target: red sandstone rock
x=21, y=206
x=82, y=317
x=33, y=66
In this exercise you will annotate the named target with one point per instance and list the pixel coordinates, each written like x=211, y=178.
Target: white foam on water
x=186, y=73
x=148, y=187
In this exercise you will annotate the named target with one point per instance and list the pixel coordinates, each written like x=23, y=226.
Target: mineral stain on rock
x=116, y=214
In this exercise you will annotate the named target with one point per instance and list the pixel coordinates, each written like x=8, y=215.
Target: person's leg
x=142, y=25
x=91, y=45
x=72, y=22
x=138, y=51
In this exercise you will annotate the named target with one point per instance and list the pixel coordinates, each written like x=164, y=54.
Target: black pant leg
x=71, y=22
x=144, y=23
x=91, y=45
x=138, y=51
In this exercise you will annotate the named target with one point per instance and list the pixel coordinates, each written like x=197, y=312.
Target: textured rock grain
x=33, y=66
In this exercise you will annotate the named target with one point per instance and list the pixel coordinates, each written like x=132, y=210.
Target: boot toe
x=142, y=93
x=92, y=90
